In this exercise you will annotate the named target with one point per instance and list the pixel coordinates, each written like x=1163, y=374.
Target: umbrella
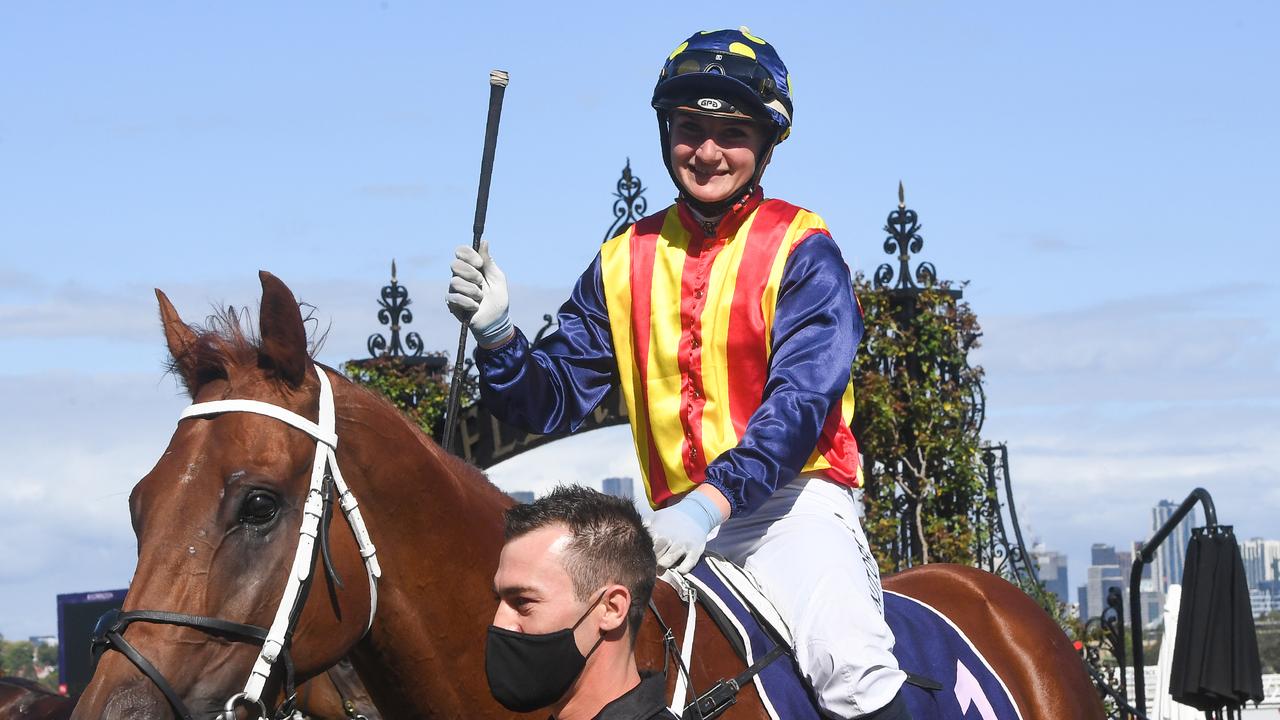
x=1166, y=707
x=1215, y=653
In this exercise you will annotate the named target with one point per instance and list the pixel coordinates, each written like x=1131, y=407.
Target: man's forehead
x=535, y=558
x=553, y=538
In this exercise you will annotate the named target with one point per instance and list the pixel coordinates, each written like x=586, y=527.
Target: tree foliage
x=917, y=421
x=24, y=659
x=416, y=388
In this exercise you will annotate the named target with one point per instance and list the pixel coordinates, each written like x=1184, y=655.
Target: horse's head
x=218, y=521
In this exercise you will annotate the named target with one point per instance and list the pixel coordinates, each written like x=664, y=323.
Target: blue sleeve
x=554, y=386
x=816, y=330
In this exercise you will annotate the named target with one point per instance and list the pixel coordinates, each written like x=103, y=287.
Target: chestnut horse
x=28, y=700
x=217, y=521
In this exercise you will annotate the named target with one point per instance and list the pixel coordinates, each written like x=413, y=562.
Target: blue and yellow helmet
x=727, y=72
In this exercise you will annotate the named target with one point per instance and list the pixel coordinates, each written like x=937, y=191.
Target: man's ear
x=617, y=605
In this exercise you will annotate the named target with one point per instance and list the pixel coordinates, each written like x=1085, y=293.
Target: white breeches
x=806, y=548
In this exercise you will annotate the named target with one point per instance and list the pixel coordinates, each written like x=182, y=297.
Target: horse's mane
x=228, y=338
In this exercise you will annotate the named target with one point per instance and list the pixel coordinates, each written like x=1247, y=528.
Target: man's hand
x=478, y=295
x=680, y=531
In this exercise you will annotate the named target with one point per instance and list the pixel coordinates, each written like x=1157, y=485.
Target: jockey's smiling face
x=535, y=592
x=713, y=156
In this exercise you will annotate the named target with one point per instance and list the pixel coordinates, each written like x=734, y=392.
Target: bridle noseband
x=109, y=634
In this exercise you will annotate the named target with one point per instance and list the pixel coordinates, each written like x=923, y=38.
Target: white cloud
x=74, y=445
x=76, y=442
x=1110, y=408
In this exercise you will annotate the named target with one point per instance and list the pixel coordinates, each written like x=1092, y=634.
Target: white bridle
x=325, y=433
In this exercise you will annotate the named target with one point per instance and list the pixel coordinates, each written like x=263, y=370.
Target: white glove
x=478, y=295
x=680, y=531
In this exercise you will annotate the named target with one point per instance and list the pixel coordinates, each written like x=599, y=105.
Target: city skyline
x=1111, y=567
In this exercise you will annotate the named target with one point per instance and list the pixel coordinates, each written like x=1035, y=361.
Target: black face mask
x=527, y=672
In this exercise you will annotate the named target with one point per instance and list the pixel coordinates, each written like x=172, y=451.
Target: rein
x=109, y=635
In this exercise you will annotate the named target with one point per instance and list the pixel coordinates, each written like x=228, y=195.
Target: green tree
x=420, y=391
x=917, y=421
x=15, y=659
x=47, y=654
x=1268, y=628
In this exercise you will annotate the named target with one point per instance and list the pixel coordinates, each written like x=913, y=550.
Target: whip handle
x=498, y=80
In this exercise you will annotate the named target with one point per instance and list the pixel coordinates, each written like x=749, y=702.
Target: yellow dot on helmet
x=752, y=38
x=738, y=48
x=679, y=49
x=790, y=92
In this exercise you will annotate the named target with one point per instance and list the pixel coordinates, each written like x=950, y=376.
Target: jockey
x=730, y=324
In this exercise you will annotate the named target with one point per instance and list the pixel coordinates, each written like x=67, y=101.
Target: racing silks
x=691, y=310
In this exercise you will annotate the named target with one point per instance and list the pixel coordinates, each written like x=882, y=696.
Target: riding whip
x=498, y=80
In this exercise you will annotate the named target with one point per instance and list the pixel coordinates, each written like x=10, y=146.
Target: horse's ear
x=181, y=340
x=284, y=337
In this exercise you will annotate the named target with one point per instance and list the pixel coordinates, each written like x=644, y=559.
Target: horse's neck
x=438, y=531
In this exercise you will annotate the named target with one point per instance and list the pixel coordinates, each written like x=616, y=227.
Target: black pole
x=498, y=80
x=1145, y=556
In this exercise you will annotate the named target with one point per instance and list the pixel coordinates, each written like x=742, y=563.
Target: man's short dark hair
x=609, y=542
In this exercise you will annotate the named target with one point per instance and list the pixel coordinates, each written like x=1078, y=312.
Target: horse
x=218, y=521
x=22, y=699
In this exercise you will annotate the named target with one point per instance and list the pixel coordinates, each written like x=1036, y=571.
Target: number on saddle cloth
x=928, y=643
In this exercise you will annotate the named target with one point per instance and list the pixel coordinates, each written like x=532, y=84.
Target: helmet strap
x=715, y=210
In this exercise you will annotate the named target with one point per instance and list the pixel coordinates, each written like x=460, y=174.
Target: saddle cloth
x=927, y=645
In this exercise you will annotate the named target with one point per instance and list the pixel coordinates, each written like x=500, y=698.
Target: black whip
x=498, y=80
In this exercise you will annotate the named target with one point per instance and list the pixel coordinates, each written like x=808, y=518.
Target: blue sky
x=1104, y=175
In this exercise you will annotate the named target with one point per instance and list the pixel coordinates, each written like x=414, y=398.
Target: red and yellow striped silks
x=691, y=318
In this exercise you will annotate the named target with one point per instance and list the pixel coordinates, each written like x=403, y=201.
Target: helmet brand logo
x=710, y=104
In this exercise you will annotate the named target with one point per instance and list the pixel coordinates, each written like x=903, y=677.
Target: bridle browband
x=325, y=474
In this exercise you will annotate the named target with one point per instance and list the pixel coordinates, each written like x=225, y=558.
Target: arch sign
x=483, y=440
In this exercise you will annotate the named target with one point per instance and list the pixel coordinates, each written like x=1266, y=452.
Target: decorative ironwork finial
x=395, y=310
x=903, y=226
x=630, y=205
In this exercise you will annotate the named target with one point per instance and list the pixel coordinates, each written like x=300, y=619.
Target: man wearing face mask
x=573, y=581
x=728, y=321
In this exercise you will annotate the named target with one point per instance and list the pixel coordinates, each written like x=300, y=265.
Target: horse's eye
x=259, y=508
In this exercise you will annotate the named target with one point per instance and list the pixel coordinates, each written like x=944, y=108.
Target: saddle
x=947, y=678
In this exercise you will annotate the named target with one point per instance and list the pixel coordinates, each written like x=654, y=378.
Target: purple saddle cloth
x=927, y=646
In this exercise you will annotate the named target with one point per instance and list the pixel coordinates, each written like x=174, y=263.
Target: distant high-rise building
x=1112, y=568
x=1083, y=611
x=619, y=487
x=1103, y=554
x=1100, y=581
x=1172, y=553
x=1051, y=567
x=1264, y=602
x=521, y=496
x=1261, y=561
